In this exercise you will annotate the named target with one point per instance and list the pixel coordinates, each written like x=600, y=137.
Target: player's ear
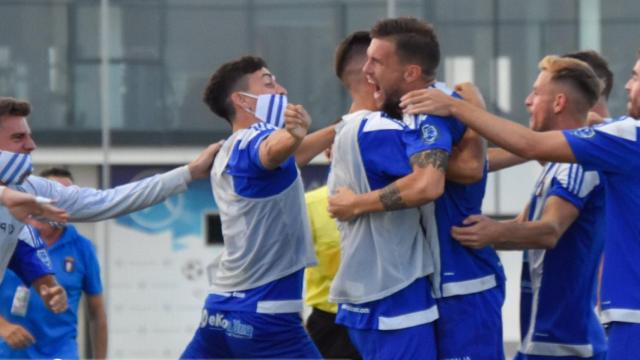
x=559, y=102
x=412, y=73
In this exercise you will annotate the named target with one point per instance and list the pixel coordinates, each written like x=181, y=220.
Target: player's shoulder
x=624, y=127
x=257, y=130
x=378, y=121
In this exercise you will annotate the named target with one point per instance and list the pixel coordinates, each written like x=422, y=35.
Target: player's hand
x=593, y=118
x=296, y=121
x=16, y=336
x=25, y=206
x=479, y=231
x=471, y=94
x=341, y=204
x=54, y=297
x=200, y=167
x=426, y=101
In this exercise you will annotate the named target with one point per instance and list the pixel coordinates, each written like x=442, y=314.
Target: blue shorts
x=470, y=326
x=624, y=341
x=519, y=356
x=417, y=342
x=237, y=334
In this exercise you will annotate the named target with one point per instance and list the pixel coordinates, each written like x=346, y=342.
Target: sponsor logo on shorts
x=233, y=327
x=429, y=134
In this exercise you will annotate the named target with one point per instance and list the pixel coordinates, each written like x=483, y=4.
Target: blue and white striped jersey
x=614, y=150
x=558, y=296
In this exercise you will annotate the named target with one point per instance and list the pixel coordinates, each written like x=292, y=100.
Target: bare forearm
x=527, y=235
x=501, y=159
x=313, y=144
x=277, y=148
x=550, y=146
x=99, y=332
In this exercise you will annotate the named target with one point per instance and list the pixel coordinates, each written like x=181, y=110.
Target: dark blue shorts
x=236, y=334
x=624, y=341
x=417, y=342
x=470, y=326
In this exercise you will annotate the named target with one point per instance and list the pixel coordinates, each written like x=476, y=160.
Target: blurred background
x=116, y=89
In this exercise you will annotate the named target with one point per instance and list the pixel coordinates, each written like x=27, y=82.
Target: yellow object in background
x=326, y=241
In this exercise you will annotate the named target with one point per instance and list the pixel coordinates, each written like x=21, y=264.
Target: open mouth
x=377, y=91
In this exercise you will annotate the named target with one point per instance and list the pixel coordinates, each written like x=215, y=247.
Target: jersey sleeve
x=433, y=133
x=30, y=259
x=87, y=204
x=91, y=283
x=611, y=147
x=573, y=184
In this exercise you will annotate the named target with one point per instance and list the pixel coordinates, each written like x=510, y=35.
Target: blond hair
x=577, y=75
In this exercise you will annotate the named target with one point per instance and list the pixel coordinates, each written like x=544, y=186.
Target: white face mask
x=270, y=108
x=14, y=167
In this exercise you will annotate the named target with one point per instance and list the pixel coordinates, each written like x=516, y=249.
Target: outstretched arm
x=313, y=144
x=480, y=231
x=501, y=159
x=423, y=185
x=545, y=146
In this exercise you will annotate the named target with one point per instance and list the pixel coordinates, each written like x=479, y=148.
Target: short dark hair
x=577, y=74
x=415, y=41
x=13, y=107
x=355, y=44
x=599, y=65
x=227, y=79
x=57, y=172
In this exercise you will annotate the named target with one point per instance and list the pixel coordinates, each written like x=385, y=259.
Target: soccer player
x=613, y=150
x=561, y=228
x=403, y=56
x=82, y=204
x=500, y=159
x=253, y=309
x=75, y=264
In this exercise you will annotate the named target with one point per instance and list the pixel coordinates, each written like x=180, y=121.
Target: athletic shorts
x=416, y=342
x=624, y=341
x=470, y=326
x=237, y=334
x=519, y=356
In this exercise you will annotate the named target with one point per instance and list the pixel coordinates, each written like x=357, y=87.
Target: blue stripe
x=4, y=171
x=18, y=169
x=280, y=106
x=271, y=101
x=574, y=188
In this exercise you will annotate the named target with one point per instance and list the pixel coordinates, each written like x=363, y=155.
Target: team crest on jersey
x=69, y=263
x=585, y=132
x=429, y=134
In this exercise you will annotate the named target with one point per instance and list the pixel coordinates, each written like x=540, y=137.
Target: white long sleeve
x=88, y=204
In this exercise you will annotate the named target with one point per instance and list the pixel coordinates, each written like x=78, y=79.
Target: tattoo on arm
x=439, y=159
x=391, y=199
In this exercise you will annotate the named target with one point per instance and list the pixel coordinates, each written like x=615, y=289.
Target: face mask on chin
x=270, y=108
x=14, y=167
